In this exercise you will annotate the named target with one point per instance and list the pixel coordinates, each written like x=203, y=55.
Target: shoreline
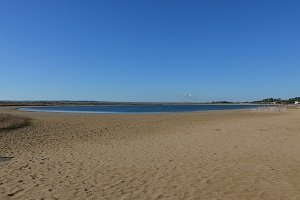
x=33, y=109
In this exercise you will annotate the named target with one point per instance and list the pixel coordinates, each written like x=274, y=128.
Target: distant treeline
x=222, y=102
x=45, y=103
x=278, y=100
x=62, y=103
x=85, y=103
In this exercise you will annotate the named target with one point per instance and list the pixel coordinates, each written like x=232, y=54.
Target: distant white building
x=297, y=102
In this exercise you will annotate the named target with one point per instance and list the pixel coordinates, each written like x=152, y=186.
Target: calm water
x=136, y=109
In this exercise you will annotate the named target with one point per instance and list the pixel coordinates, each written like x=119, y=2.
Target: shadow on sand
x=5, y=158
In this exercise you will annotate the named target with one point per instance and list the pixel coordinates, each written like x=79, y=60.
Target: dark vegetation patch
x=8, y=121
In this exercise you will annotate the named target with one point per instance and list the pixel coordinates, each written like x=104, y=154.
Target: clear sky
x=150, y=50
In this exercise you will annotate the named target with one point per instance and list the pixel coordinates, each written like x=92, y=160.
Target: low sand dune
x=212, y=155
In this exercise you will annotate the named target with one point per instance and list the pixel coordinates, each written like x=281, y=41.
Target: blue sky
x=149, y=50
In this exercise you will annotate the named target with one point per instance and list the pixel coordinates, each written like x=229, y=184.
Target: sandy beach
x=208, y=155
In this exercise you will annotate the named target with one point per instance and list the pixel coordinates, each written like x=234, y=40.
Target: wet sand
x=209, y=155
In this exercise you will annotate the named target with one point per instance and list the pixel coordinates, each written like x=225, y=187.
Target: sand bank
x=210, y=155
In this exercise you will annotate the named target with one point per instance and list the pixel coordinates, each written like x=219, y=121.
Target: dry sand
x=211, y=155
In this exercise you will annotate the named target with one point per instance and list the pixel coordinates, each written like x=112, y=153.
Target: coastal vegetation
x=8, y=121
x=278, y=100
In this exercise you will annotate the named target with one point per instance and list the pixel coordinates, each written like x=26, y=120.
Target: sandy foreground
x=209, y=155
